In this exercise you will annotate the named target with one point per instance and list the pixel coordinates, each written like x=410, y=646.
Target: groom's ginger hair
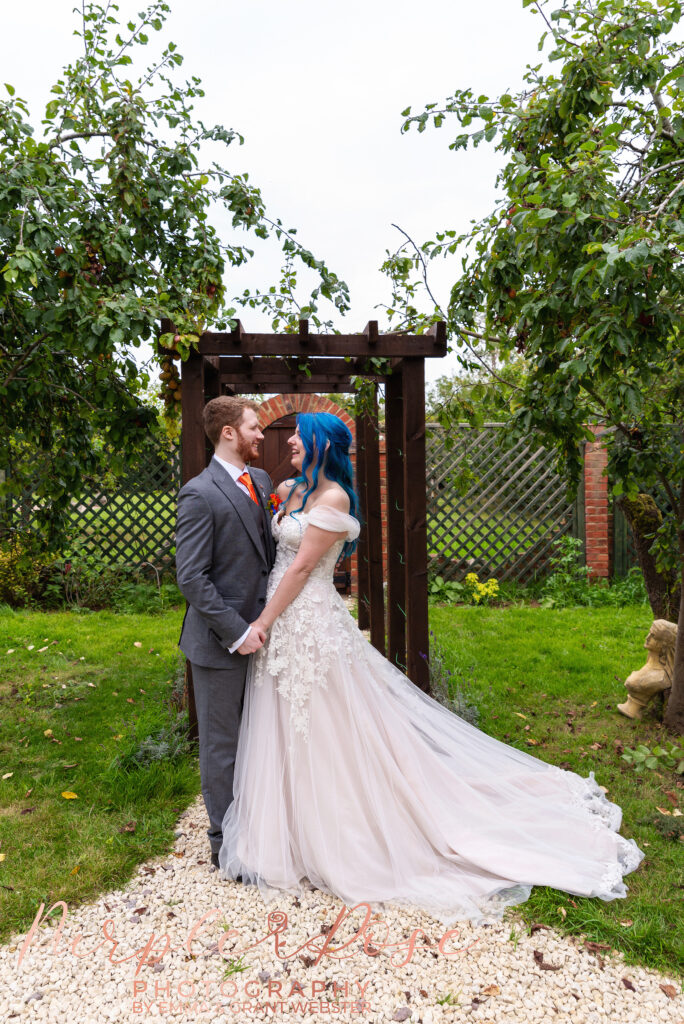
x=224, y=411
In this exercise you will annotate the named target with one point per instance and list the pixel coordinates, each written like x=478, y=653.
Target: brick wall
x=598, y=518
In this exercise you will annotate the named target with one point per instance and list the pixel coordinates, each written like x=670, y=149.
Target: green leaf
x=10, y=88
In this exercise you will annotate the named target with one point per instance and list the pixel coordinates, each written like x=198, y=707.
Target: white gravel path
x=541, y=978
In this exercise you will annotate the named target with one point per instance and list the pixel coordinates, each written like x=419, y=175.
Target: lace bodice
x=289, y=531
x=316, y=625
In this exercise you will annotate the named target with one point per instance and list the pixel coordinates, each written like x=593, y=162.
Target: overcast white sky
x=317, y=89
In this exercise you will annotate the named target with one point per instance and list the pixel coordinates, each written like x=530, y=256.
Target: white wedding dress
x=351, y=779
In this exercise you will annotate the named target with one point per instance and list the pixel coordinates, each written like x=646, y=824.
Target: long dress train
x=350, y=777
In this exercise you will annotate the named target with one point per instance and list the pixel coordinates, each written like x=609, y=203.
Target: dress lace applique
x=314, y=628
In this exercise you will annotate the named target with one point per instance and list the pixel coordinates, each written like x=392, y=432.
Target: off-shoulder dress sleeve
x=327, y=518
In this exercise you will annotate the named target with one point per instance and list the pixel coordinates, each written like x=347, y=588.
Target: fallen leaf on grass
x=563, y=912
x=7, y=775
x=78, y=739
x=596, y=746
x=628, y=984
x=663, y=810
x=28, y=792
x=74, y=765
x=137, y=643
x=41, y=650
x=27, y=810
x=536, y=927
x=2, y=856
x=129, y=700
x=76, y=870
x=669, y=990
x=594, y=947
x=11, y=650
x=92, y=685
x=118, y=737
x=68, y=795
x=672, y=797
x=48, y=732
x=30, y=647
x=520, y=715
x=128, y=827
x=539, y=960
x=627, y=923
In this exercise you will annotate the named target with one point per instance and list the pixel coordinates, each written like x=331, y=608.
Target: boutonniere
x=274, y=503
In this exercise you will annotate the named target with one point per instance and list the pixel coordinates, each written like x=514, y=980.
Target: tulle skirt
x=389, y=797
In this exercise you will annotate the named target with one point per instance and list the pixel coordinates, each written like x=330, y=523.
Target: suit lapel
x=261, y=495
x=237, y=498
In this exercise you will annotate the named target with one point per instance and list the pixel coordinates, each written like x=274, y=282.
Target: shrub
x=570, y=585
x=481, y=593
x=26, y=579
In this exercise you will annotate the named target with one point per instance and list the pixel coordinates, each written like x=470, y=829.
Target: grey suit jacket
x=222, y=566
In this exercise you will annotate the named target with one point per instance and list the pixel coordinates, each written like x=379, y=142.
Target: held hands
x=255, y=639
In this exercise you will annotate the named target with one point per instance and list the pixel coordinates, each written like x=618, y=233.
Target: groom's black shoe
x=215, y=863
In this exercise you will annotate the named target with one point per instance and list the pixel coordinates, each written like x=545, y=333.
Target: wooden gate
x=275, y=459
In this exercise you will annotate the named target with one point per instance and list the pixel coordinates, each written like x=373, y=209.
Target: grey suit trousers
x=219, y=694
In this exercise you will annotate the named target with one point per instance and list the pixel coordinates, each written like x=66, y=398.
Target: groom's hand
x=255, y=640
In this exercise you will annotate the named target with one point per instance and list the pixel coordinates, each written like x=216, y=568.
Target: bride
x=350, y=779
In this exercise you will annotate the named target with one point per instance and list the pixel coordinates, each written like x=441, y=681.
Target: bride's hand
x=261, y=628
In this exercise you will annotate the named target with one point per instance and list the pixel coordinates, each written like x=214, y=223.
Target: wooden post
x=362, y=563
x=193, y=446
x=374, y=527
x=418, y=631
x=396, y=506
x=193, y=461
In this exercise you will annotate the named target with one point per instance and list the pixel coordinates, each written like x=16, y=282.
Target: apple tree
x=579, y=265
x=107, y=212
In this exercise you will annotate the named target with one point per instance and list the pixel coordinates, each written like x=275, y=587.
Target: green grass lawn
x=564, y=670
x=99, y=694
x=82, y=696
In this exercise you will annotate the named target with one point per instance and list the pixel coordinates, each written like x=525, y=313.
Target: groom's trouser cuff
x=219, y=694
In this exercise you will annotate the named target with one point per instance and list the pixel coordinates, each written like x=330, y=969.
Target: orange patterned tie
x=247, y=481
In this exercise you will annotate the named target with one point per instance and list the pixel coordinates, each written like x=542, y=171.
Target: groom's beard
x=247, y=450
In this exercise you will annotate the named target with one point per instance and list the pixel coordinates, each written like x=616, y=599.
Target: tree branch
x=424, y=266
x=667, y=128
x=27, y=354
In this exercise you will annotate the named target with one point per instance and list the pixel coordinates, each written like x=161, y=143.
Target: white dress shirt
x=235, y=472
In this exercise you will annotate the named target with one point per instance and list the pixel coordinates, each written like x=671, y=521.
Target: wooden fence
x=128, y=519
x=495, y=506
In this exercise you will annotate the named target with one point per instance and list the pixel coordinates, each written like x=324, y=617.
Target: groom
x=224, y=552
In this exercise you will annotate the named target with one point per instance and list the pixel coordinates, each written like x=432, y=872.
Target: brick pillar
x=598, y=517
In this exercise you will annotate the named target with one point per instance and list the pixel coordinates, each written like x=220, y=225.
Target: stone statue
x=656, y=675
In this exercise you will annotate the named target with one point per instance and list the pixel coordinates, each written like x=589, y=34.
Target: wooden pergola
x=243, y=363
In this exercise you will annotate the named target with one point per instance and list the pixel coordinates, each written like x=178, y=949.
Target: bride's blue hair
x=327, y=440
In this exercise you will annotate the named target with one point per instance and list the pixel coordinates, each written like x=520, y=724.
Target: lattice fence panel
x=129, y=519
x=514, y=507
